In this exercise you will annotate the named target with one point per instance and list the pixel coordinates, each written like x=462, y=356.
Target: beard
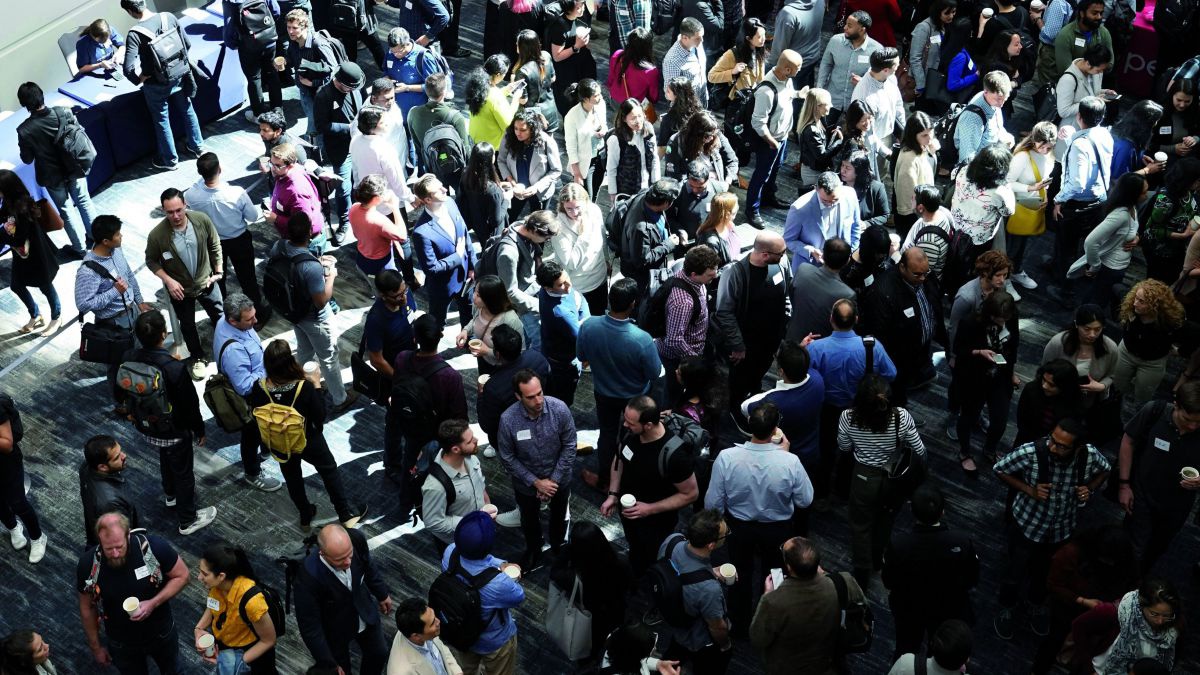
x=115, y=563
x=1090, y=24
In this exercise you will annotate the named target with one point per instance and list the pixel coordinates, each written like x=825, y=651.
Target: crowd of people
x=747, y=380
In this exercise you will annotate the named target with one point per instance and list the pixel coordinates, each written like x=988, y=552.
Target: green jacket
x=1066, y=50
x=161, y=253
x=422, y=118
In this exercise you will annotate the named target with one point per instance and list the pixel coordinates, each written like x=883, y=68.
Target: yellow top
x=227, y=625
x=493, y=118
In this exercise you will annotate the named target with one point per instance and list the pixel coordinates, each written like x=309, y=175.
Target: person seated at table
x=99, y=48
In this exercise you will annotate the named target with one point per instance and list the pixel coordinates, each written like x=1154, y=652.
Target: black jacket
x=497, y=394
x=181, y=393
x=932, y=568
x=314, y=61
x=972, y=334
x=35, y=137
x=103, y=493
x=884, y=316
x=649, y=247
x=326, y=611
x=334, y=114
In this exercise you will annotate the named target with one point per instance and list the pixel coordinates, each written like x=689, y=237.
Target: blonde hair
x=1167, y=310
x=723, y=206
x=808, y=114
x=574, y=192
x=286, y=153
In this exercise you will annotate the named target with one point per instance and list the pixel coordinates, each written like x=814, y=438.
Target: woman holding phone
x=985, y=353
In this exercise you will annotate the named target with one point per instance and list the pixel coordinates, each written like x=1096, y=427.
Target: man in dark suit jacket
x=335, y=109
x=339, y=597
x=449, y=264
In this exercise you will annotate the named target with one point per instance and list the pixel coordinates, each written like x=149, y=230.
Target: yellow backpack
x=281, y=426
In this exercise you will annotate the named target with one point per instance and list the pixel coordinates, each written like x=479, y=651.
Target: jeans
x=746, y=376
x=250, y=440
x=400, y=454
x=185, y=311
x=159, y=98
x=13, y=503
x=26, y=297
x=532, y=323
x=564, y=378
x=239, y=253
x=1078, y=218
x=258, y=65
x=344, y=171
x=316, y=454
x=644, y=536
x=597, y=299
x=766, y=166
x=531, y=521
x=163, y=649
x=315, y=339
x=175, y=468
x=1137, y=378
x=229, y=662
x=307, y=95
x=1098, y=290
x=77, y=190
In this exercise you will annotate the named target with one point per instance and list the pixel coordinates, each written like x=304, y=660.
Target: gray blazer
x=814, y=290
x=544, y=168
x=1101, y=369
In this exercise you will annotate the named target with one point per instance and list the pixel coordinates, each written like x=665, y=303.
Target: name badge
x=524, y=435
x=908, y=311
x=1160, y=444
x=141, y=572
x=627, y=453
x=707, y=207
x=167, y=255
x=869, y=280
x=864, y=58
x=390, y=63
x=935, y=39
x=1164, y=130
x=408, y=6
x=778, y=278
x=213, y=604
x=1080, y=42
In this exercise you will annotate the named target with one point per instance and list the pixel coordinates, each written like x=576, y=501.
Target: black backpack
x=14, y=417
x=292, y=563
x=454, y=597
x=489, y=260
x=167, y=55
x=739, y=129
x=411, y=402
x=615, y=224
x=949, y=254
x=344, y=15
x=256, y=23
x=856, y=623
x=274, y=608
x=665, y=16
x=654, y=318
x=1174, y=19
x=662, y=587
x=692, y=439
x=282, y=287
x=426, y=467
x=339, y=49
x=443, y=153
x=943, y=131
x=74, y=146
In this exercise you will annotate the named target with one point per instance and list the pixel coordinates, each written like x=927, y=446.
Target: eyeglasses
x=1063, y=446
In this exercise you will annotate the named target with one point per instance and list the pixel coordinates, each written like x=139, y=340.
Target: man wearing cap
x=471, y=555
x=339, y=596
x=335, y=113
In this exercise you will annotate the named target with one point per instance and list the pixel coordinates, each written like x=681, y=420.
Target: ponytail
x=227, y=559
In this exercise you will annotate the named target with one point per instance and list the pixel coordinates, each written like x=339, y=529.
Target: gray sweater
x=516, y=266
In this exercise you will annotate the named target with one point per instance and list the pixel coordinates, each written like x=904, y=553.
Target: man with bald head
x=771, y=120
x=903, y=309
x=754, y=304
x=339, y=597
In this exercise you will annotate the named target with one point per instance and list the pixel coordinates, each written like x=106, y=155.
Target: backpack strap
x=843, y=593
x=1041, y=453
x=148, y=557
x=920, y=661
x=296, y=395
x=246, y=598
x=869, y=345
x=439, y=474
x=430, y=369
x=668, y=450
x=221, y=354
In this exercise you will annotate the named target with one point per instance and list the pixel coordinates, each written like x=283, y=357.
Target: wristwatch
x=614, y=494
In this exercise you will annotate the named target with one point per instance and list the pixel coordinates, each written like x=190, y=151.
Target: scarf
x=1135, y=632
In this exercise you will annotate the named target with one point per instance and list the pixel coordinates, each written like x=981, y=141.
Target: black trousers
x=1152, y=530
x=644, y=536
x=368, y=38
x=129, y=658
x=1078, y=219
x=597, y=299
x=996, y=394
x=752, y=542
x=449, y=36
x=185, y=312
x=13, y=503
x=318, y=456
x=239, y=252
x=1028, y=565
x=374, y=650
x=531, y=519
x=831, y=459
x=746, y=376
x=709, y=660
x=179, y=478
x=609, y=414
x=258, y=66
x=564, y=378
x=248, y=446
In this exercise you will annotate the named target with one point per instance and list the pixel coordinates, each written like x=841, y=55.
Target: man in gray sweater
x=798, y=28
x=517, y=258
x=771, y=120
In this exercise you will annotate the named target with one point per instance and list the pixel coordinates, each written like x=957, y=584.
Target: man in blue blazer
x=442, y=244
x=828, y=210
x=339, y=596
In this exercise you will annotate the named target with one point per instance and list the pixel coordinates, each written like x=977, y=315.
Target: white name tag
x=627, y=453
x=1164, y=130
x=408, y=6
x=869, y=280
x=141, y=572
x=524, y=435
x=908, y=311
x=1080, y=42
x=864, y=58
x=1160, y=444
x=935, y=39
x=390, y=63
x=167, y=255
x=213, y=604
x=778, y=278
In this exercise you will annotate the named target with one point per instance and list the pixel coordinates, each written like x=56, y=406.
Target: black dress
x=578, y=66
x=36, y=266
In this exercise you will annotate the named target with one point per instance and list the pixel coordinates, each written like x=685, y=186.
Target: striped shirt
x=873, y=448
x=98, y=294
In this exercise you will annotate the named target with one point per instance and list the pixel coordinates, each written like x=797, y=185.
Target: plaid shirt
x=1053, y=520
x=627, y=15
x=684, y=338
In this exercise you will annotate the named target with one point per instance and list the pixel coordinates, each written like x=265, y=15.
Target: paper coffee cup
x=1037, y=4
x=778, y=437
x=474, y=343
x=988, y=12
x=627, y=501
x=1160, y=156
x=311, y=367
x=1189, y=472
x=280, y=62
x=130, y=605
x=264, y=163
x=483, y=380
x=513, y=571
x=490, y=509
x=728, y=574
x=207, y=642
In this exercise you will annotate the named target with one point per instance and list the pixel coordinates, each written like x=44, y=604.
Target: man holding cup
x=455, y=486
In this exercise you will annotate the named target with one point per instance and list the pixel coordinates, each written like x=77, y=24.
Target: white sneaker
x=1024, y=280
x=509, y=518
x=17, y=537
x=1011, y=289
x=168, y=501
x=489, y=452
x=203, y=518
x=37, y=549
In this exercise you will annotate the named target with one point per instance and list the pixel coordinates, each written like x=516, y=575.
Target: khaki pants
x=503, y=661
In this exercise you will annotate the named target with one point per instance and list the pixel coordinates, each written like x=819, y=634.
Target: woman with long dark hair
x=33, y=261
x=605, y=579
x=744, y=65
x=492, y=107
x=632, y=72
x=1094, y=356
x=24, y=652
x=1133, y=134
x=985, y=358
x=1170, y=225
x=233, y=598
x=871, y=259
x=536, y=69
x=856, y=131
x=1179, y=133
x=528, y=158
x=705, y=393
x=517, y=16
x=490, y=307
x=1004, y=54
x=288, y=384
x=701, y=139
x=584, y=128
x=482, y=195
x=871, y=429
x=925, y=49
x=855, y=171
x=569, y=36
x=1108, y=249
x=684, y=104
x=915, y=165
x=1051, y=396
x=632, y=152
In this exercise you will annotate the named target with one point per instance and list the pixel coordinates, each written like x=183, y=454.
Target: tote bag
x=569, y=625
x=1024, y=221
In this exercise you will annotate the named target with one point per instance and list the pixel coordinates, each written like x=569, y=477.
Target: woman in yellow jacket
x=745, y=64
x=245, y=641
x=492, y=107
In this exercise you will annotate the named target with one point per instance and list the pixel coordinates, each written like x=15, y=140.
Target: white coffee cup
x=208, y=643
x=627, y=501
x=728, y=574
x=130, y=605
x=1160, y=156
x=311, y=367
x=1189, y=473
x=513, y=571
x=483, y=379
x=490, y=509
x=264, y=164
x=988, y=12
x=1037, y=4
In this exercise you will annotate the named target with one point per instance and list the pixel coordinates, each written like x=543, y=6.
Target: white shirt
x=376, y=155
x=347, y=580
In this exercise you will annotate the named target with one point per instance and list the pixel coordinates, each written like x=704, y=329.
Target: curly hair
x=989, y=168
x=686, y=102
x=476, y=89
x=991, y=263
x=536, y=124
x=1167, y=310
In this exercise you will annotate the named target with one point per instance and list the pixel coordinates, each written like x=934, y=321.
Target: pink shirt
x=375, y=232
x=642, y=84
x=295, y=192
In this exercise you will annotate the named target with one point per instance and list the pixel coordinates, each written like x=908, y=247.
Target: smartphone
x=1084, y=379
x=999, y=359
x=519, y=84
x=1113, y=97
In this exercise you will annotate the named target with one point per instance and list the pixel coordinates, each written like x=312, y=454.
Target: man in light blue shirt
x=471, y=555
x=830, y=210
x=1078, y=206
x=760, y=485
x=974, y=131
x=231, y=210
x=239, y=356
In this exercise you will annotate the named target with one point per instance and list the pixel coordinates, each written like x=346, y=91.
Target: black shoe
x=164, y=165
x=772, y=202
x=357, y=513
x=459, y=53
x=530, y=562
x=756, y=220
x=307, y=518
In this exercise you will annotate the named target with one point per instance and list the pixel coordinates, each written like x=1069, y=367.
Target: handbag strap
x=103, y=272
x=575, y=591
x=1037, y=173
x=624, y=83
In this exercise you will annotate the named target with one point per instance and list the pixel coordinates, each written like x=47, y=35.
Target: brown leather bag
x=49, y=217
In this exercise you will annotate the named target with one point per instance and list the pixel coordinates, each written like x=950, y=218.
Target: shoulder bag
x=647, y=104
x=104, y=342
x=568, y=623
x=905, y=471
x=1024, y=221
